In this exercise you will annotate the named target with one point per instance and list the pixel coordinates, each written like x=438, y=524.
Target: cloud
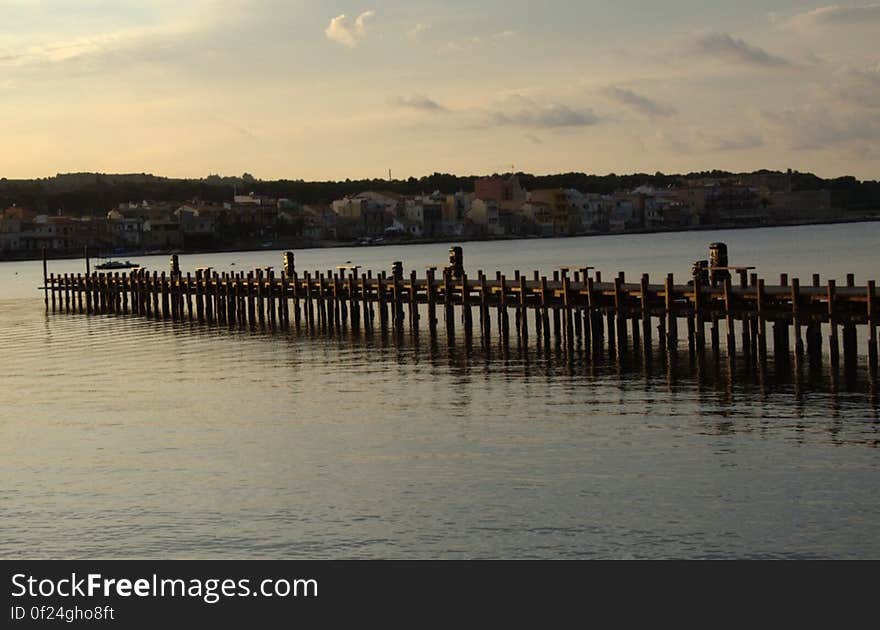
x=835, y=15
x=526, y=112
x=102, y=44
x=415, y=33
x=814, y=128
x=696, y=141
x=727, y=48
x=342, y=31
x=735, y=143
x=859, y=87
x=418, y=102
x=461, y=45
x=641, y=104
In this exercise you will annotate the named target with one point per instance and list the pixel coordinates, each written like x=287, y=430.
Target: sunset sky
x=330, y=90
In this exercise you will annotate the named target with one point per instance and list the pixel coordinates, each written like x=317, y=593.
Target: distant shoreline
x=296, y=245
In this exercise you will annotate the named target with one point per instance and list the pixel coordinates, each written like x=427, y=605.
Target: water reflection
x=725, y=393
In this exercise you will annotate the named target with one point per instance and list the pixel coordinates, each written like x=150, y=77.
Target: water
x=124, y=437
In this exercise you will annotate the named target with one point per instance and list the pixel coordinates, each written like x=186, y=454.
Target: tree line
x=84, y=194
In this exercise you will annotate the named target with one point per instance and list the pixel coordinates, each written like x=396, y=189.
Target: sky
x=350, y=89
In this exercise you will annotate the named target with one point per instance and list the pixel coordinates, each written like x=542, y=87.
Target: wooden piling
x=545, y=315
x=671, y=315
x=46, y=281
x=833, y=342
x=646, y=315
x=872, y=326
x=796, y=317
x=430, y=296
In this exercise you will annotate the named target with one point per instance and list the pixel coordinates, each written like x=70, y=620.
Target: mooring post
x=523, y=315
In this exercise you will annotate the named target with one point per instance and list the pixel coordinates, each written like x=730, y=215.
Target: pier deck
x=572, y=306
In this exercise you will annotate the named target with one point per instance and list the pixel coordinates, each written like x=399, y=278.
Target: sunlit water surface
x=126, y=437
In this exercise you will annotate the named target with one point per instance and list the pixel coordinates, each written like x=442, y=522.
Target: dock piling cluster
x=573, y=308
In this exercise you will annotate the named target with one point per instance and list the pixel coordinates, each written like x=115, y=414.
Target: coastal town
x=495, y=207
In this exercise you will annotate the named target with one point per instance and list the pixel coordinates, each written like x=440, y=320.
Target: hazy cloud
x=697, y=141
x=62, y=50
x=838, y=16
x=815, y=128
x=859, y=87
x=526, y=112
x=419, y=102
x=415, y=33
x=462, y=45
x=727, y=48
x=736, y=143
x=641, y=104
x=344, y=32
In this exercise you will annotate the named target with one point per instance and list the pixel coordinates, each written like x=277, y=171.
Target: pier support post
x=45, y=281
x=872, y=327
x=646, y=316
x=456, y=262
x=430, y=297
x=833, y=342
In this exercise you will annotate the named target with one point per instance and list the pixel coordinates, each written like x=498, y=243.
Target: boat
x=117, y=264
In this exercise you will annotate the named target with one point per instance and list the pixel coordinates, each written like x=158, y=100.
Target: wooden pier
x=571, y=307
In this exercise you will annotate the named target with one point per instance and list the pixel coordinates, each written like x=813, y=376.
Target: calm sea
x=125, y=437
